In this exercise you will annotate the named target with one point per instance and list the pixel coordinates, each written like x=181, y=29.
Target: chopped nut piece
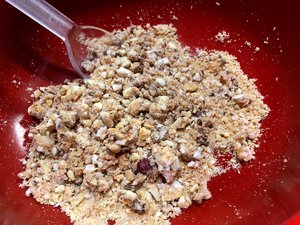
x=54, y=151
x=44, y=141
x=144, y=133
x=138, y=105
x=129, y=195
x=116, y=133
x=37, y=110
x=60, y=188
x=138, y=207
x=101, y=132
x=117, y=87
x=160, y=81
x=160, y=134
x=134, y=157
x=172, y=45
x=89, y=168
x=197, y=76
x=197, y=155
x=71, y=175
x=241, y=100
x=133, y=55
x=180, y=123
x=160, y=109
x=190, y=87
x=253, y=135
x=154, y=192
x=130, y=92
x=129, y=175
x=170, y=193
x=125, y=62
x=245, y=155
x=107, y=119
x=198, y=197
x=95, y=159
x=187, y=151
x=123, y=71
x=68, y=118
x=167, y=161
x=114, y=148
x=184, y=202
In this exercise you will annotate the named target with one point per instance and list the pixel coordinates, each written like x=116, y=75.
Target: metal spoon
x=63, y=27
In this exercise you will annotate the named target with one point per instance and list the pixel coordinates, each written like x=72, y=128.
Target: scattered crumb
x=29, y=89
x=174, y=17
x=222, y=36
x=3, y=123
x=248, y=43
x=218, y=3
x=16, y=83
x=257, y=49
x=266, y=41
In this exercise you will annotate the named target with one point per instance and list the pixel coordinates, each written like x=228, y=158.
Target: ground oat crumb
x=128, y=143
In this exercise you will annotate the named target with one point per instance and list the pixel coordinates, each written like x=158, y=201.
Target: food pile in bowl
x=140, y=139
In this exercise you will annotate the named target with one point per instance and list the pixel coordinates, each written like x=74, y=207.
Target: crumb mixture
x=137, y=142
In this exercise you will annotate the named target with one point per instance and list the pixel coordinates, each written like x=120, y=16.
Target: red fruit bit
x=144, y=165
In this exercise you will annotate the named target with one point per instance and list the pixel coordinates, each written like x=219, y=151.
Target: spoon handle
x=46, y=15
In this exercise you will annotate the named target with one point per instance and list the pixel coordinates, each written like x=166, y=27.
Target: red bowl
x=266, y=191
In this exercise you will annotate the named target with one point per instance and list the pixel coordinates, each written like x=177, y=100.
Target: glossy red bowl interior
x=265, y=192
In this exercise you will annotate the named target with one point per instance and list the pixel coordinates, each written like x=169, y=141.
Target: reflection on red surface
x=267, y=189
x=295, y=220
x=19, y=133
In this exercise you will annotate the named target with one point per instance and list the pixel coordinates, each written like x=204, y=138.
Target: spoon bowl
x=74, y=36
x=77, y=42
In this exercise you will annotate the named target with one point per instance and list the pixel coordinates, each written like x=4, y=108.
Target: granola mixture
x=137, y=142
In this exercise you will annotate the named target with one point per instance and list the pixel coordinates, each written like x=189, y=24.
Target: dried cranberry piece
x=144, y=165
